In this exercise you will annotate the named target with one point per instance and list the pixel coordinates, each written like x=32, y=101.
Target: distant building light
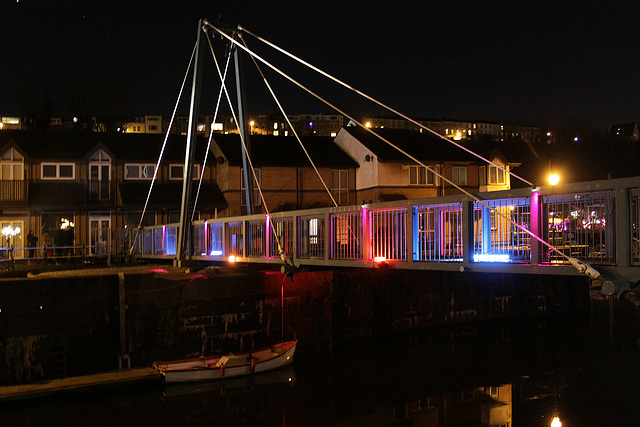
x=379, y=259
x=216, y=126
x=215, y=253
x=368, y=124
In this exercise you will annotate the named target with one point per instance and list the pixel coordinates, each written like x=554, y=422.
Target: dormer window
x=11, y=166
x=58, y=171
x=496, y=175
x=139, y=170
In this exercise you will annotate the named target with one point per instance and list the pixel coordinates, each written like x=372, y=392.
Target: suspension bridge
x=562, y=230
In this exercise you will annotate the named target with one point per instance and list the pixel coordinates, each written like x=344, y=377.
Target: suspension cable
x=215, y=115
x=381, y=104
x=253, y=54
x=166, y=137
x=277, y=101
x=244, y=146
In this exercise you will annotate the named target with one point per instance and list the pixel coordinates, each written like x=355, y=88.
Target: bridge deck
x=595, y=222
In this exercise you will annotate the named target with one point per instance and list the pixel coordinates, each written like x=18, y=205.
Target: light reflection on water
x=509, y=373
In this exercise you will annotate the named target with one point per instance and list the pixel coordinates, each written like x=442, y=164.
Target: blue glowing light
x=491, y=258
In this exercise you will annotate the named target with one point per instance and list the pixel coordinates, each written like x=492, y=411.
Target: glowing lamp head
x=553, y=179
x=556, y=422
x=379, y=259
x=232, y=258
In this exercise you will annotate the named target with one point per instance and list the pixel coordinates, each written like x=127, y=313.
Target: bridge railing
x=596, y=222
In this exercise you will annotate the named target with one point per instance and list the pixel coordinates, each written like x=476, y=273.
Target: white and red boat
x=231, y=365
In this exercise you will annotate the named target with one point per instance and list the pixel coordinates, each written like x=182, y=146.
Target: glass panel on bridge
x=496, y=237
x=346, y=233
x=437, y=231
x=388, y=237
x=215, y=239
x=634, y=204
x=257, y=238
x=234, y=239
x=577, y=227
x=283, y=234
x=311, y=237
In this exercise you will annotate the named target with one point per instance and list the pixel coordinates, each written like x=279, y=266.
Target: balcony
x=99, y=190
x=13, y=191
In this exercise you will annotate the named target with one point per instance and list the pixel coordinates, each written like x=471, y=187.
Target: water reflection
x=501, y=374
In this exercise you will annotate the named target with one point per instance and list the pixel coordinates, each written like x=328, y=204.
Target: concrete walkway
x=82, y=383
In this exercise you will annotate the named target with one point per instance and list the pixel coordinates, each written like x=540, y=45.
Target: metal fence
x=438, y=233
x=448, y=230
x=578, y=226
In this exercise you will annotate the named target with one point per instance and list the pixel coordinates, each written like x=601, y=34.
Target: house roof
x=77, y=145
x=269, y=150
x=424, y=146
x=168, y=194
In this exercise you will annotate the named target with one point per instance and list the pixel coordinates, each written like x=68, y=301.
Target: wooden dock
x=83, y=383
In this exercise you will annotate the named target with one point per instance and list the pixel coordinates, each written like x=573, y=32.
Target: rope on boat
x=579, y=265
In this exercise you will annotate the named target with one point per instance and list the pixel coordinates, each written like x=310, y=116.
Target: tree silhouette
x=97, y=100
x=35, y=104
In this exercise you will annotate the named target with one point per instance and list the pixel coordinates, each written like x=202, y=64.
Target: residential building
x=70, y=187
x=457, y=130
x=287, y=178
x=7, y=123
x=385, y=173
x=625, y=131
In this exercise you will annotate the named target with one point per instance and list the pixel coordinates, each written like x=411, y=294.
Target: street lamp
x=553, y=178
x=10, y=231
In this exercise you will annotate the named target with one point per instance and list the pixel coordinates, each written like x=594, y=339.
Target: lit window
x=496, y=176
x=139, y=171
x=58, y=170
x=12, y=166
x=11, y=120
x=459, y=175
x=419, y=175
x=313, y=231
x=339, y=186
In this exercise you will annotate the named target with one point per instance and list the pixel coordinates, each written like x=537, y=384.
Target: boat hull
x=233, y=365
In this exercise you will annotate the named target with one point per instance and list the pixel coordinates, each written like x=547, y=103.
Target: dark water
x=507, y=373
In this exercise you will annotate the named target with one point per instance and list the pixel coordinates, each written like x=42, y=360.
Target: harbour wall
x=76, y=323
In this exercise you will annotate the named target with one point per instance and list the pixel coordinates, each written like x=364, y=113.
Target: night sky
x=495, y=61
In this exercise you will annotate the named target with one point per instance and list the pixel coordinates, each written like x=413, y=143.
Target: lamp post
x=553, y=178
x=9, y=232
